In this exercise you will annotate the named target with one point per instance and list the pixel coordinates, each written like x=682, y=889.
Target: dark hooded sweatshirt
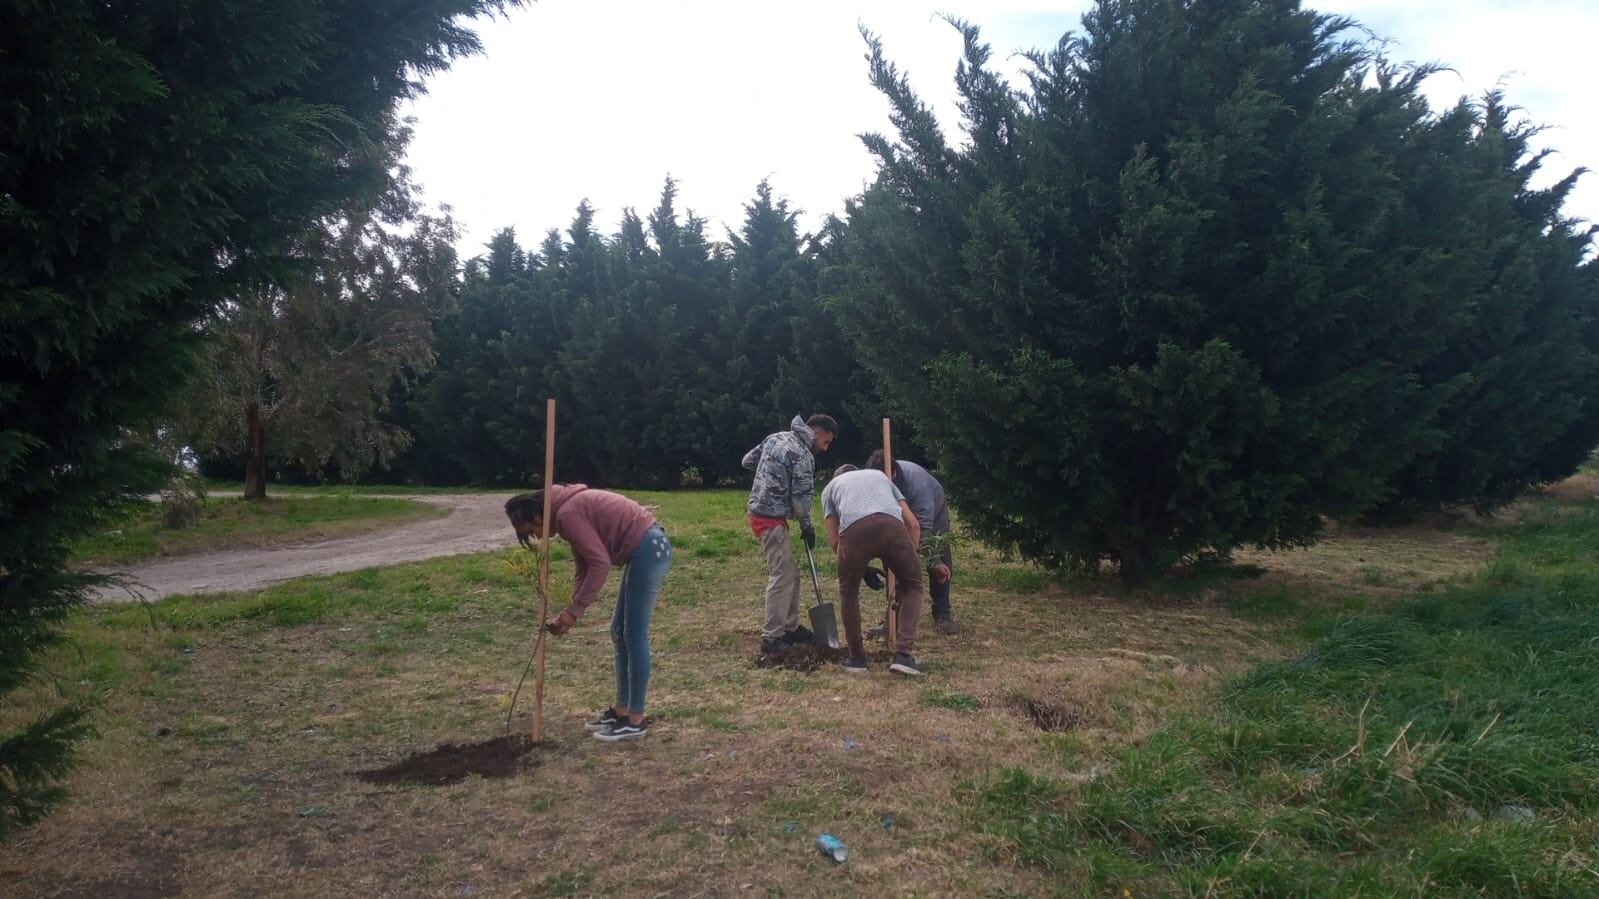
x=602, y=528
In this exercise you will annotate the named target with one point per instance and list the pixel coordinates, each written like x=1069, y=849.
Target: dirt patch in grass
x=804, y=659
x=1047, y=716
x=150, y=872
x=454, y=762
x=810, y=657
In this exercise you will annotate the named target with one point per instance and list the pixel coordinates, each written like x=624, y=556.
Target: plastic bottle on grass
x=832, y=847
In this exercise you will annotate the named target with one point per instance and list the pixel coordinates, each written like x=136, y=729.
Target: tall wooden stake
x=892, y=636
x=544, y=571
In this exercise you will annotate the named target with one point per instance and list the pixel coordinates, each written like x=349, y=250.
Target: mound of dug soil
x=454, y=762
x=805, y=658
x=809, y=657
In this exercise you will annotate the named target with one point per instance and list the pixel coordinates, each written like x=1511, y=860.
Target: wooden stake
x=892, y=636
x=544, y=571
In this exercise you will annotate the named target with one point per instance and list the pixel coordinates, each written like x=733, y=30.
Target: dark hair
x=846, y=468
x=525, y=507
x=825, y=422
x=875, y=463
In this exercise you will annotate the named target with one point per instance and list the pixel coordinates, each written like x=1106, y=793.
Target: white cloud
x=602, y=98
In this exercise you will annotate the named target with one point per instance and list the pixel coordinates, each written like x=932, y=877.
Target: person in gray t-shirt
x=926, y=498
x=867, y=519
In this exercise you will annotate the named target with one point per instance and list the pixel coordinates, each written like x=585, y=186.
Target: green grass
x=949, y=699
x=1448, y=746
x=1186, y=767
x=230, y=522
x=221, y=486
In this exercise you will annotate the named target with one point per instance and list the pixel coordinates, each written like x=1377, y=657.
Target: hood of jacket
x=560, y=495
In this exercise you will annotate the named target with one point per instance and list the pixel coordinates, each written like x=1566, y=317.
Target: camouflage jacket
x=785, y=474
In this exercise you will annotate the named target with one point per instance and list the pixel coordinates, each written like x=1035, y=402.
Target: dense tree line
x=155, y=159
x=1215, y=272
x=670, y=352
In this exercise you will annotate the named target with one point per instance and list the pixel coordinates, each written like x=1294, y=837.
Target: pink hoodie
x=603, y=529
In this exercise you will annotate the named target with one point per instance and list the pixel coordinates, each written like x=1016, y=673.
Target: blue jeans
x=630, y=626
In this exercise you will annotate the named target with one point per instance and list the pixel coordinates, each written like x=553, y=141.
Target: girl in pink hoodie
x=606, y=529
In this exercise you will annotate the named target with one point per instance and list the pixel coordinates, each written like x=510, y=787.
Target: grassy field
x=1394, y=712
x=230, y=522
x=1447, y=745
x=220, y=486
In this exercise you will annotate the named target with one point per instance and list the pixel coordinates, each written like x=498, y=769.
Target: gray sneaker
x=854, y=664
x=946, y=626
x=905, y=663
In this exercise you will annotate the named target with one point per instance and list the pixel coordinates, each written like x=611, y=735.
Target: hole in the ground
x=1047, y=716
x=454, y=762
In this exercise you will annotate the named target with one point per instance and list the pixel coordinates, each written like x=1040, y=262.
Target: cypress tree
x=1183, y=292
x=152, y=160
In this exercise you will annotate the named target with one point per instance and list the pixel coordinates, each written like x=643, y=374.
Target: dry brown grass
x=1381, y=561
x=1579, y=488
x=282, y=697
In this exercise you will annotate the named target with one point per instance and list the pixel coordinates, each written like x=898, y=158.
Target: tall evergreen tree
x=671, y=353
x=633, y=366
x=150, y=158
x=1523, y=347
x=466, y=415
x=1178, y=295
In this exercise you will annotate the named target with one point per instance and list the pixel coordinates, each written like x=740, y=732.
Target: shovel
x=824, y=623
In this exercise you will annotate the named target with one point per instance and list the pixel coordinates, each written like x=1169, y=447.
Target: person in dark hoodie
x=785, y=484
x=605, y=529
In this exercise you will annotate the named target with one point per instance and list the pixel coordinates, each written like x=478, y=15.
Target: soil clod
x=805, y=658
x=810, y=657
x=1048, y=716
x=451, y=762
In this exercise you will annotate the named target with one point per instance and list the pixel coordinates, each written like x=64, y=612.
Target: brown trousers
x=879, y=537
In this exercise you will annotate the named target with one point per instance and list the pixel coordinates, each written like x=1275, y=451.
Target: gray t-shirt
x=925, y=495
x=856, y=494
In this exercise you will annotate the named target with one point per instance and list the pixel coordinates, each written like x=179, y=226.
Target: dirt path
x=476, y=522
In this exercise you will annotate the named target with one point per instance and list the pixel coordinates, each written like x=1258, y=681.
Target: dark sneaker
x=854, y=664
x=800, y=636
x=905, y=663
x=773, y=645
x=879, y=631
x=607, y=718
x=622, y=730
x=946, y=626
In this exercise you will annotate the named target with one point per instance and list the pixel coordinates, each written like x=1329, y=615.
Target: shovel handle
x=816, y=583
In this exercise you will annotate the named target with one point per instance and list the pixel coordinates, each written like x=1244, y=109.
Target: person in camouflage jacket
x=785, y=482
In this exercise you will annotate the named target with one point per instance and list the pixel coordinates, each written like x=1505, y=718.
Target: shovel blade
x=824, y=625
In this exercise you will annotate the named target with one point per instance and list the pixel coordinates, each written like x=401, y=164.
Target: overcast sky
x=603, y=98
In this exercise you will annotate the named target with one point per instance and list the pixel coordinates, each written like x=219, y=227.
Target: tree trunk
x=1133, y=563
x=255, y=463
